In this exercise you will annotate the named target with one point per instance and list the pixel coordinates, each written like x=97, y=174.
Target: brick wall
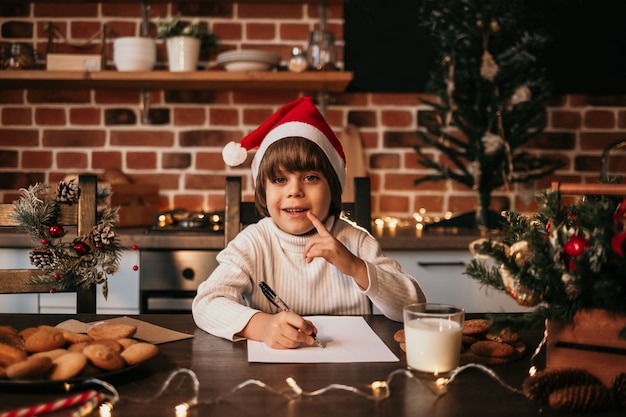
x=47, y=134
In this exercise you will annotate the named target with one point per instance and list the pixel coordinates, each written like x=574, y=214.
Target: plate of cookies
x=482, y=345
x=487, y=347
x=50, y=355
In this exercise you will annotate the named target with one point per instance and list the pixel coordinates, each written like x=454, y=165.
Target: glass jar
x=18, y=56
x=298, y=61
x=321, y=53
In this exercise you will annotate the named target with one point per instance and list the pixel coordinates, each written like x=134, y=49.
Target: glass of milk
x=433, y=336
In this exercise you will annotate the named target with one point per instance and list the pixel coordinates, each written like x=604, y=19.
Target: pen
x=278, y=302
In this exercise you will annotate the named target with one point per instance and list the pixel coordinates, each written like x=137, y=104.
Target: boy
x=316, y=260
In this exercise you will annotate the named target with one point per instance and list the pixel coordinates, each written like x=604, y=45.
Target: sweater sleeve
x=390, y=288
x=220, y=306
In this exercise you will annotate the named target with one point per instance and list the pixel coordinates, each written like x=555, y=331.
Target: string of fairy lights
x=377, y=390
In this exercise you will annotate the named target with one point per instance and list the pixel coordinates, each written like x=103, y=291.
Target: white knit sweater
x=231, y=295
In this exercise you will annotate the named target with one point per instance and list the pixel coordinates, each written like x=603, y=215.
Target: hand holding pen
x=278, y=302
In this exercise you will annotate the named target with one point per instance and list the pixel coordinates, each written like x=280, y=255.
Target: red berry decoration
x=575, y=245
x=135, y=267
x=81, y=249
x=56, y=231
x=53, y=290
x=134, y=247
x=56, y=277
x=44, y=241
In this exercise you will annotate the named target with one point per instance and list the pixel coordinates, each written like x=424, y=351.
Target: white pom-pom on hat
x=234, y=154
x=298, y=118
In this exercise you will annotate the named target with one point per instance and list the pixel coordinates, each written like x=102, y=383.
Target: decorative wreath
x=84, y=261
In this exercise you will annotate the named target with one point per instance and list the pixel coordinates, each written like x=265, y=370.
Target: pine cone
x=581, y=398
x=102, y=236
x=42, y=258
x=67, y=192
x=619, y=389
x=543, y=383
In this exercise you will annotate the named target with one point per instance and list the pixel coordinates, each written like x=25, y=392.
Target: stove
x=179, y=220
x=169, y=278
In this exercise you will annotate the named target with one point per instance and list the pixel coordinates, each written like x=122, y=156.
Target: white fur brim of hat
x=307, y=131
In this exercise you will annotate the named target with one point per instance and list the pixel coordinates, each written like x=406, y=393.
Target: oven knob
x=188, y=273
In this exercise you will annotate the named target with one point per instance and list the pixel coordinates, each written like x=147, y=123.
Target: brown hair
x=296, y=154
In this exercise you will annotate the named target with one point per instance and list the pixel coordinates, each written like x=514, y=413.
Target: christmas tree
x=491, y=97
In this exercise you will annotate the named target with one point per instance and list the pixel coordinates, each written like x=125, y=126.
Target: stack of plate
x=248, y=60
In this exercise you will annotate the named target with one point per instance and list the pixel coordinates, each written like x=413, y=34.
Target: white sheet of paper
x=346, y=339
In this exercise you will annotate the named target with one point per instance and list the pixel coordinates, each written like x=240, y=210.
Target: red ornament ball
x=575, y=245
x=44, y=241
x=135, y=267
x=57, y=277
x=134, y=247
x=53, y=290
x=81, y=249
x=56, y=231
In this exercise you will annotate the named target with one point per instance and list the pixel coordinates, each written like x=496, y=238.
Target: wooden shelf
x=331, y=81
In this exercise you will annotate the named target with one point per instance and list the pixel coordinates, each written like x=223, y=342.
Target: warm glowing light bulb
x=294, y=385
x=105, y=410
x=181, y=410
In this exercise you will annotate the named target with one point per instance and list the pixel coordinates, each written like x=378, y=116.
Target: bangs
x=294, y=154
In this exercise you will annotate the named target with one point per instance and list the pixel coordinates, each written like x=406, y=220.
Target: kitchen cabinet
x=123, y=290
x=441, y=276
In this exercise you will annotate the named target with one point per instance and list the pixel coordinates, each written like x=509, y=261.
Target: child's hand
x=287, y=330
x=326, y=246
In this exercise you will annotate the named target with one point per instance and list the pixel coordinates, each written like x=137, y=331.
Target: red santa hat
x=299, y=118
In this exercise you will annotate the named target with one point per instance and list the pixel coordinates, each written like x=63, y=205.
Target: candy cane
x=53, y=405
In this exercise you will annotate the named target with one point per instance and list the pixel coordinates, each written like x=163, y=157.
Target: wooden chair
x=82, y=216
x=238, y=212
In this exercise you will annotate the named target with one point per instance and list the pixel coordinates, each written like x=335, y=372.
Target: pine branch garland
x=85, y=260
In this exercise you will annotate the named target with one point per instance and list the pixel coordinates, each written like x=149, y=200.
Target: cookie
x=52, y=354
x=78, y=347
x=45, y=338
x=67, y=366
x=112, y=331
x=25, y=333
x=73, y=337
x=491, y=348
x=475, y=326
x=139, y=352
x=399, y=336
x=31, y=368
x=467, y=339
x=10, y=355
x=503, y=336
x=126, y=342
x=113, y=344
x=12, y=339
x=104, y=357
x=7, y=330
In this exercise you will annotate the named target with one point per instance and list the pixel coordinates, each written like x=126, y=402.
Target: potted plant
x=184, y=41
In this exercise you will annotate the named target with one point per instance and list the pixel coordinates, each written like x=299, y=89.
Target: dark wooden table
x=221, y=365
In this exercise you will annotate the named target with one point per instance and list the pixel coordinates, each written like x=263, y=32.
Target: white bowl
x=247, y=60
x=134, y=53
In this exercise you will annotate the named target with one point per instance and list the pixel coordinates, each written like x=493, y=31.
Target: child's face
x=292, y=194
